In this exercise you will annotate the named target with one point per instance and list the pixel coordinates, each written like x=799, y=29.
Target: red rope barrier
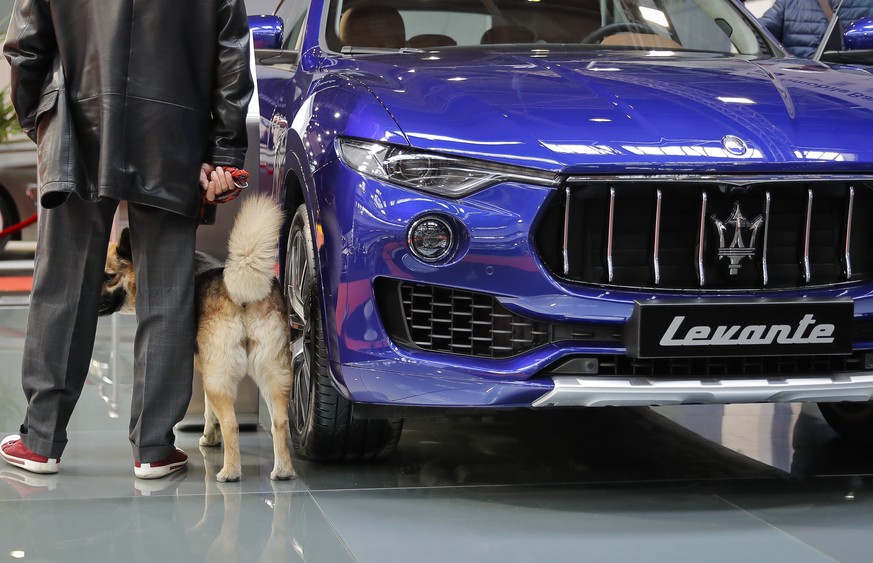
x=240, y=179
x=18, y=226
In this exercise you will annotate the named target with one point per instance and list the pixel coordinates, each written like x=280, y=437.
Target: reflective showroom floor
x=742, y=483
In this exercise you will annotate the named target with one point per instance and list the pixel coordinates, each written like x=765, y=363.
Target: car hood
x=619, y=112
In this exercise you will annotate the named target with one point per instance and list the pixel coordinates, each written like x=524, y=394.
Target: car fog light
x=430, y=238
x=868, y=361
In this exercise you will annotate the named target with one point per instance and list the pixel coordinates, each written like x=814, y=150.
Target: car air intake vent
x=443, y=319
x=710, y=235
x=738, y=366
x=449, y=320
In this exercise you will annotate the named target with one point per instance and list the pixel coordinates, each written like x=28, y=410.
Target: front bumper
x=572, y=391
x=364, y=224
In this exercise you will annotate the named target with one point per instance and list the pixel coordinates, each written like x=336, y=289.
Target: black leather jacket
x=154, y=89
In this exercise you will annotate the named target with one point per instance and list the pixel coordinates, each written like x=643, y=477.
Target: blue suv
x=516, y=204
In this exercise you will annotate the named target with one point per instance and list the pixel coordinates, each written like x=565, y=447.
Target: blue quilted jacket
x=800, y=24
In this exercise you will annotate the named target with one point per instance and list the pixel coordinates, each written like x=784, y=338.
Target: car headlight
x=439, y=174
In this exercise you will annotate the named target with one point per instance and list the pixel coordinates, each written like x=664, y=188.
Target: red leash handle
x=207, y=208
x=240, y=180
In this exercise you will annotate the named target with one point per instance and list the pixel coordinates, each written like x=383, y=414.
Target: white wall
x=260, y=7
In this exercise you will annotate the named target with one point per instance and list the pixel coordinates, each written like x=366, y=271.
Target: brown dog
x=242, y=328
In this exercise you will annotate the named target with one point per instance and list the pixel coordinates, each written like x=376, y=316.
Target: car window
x=293, y=14
x=697, y=25
x=463, y=28
x=294, y=33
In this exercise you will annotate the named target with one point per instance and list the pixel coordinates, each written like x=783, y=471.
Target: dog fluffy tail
x=251, y=250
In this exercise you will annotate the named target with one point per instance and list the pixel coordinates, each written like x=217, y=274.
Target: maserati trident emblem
x=737, y=248
x=734, y=145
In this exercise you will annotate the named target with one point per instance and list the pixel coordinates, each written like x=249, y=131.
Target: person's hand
x=205, y=172
x=215, y=180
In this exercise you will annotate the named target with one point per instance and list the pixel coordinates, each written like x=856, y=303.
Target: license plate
x=696, y=328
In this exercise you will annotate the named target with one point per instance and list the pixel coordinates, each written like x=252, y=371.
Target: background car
x=531, y=205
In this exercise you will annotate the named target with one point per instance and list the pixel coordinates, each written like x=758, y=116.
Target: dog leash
x=240, y=180
x=207, y=208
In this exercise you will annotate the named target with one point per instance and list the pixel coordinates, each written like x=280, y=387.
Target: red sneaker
x=157, y=469
x=13, y=450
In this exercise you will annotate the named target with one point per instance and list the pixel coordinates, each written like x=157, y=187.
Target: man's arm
x=233, y=88
x=30, y=49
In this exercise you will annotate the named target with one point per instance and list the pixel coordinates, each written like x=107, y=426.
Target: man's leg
x=62, y=321
x=163, y=256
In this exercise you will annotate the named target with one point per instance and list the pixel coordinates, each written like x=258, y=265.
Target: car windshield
x=696, y=25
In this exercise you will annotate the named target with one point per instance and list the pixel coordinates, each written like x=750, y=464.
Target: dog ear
x=123, y=247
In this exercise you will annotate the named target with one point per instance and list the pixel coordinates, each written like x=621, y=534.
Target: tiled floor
x=741, y=483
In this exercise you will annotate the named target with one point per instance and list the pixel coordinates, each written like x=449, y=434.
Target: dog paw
x=209, y=441
x=283, y=474
x=226, y=475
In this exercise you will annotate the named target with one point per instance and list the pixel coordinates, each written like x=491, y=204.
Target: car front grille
x=709, y=234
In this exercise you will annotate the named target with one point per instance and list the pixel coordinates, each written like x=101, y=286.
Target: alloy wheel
x=297, y=292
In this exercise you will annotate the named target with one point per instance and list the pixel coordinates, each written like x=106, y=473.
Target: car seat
x=372, y=26
x=431, y=40
x=507, y=34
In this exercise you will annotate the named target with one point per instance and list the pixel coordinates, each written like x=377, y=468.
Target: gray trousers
x=62, y=322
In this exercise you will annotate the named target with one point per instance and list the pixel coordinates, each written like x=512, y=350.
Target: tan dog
x=242, y=328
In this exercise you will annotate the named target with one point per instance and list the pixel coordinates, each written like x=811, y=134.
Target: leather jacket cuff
x=225, y=157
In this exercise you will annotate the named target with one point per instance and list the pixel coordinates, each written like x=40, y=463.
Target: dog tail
x=250, y=268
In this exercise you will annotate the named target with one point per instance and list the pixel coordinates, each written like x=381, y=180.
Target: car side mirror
x=858, y=41
x=859, y=35
x=267, y=31
x=267, y=35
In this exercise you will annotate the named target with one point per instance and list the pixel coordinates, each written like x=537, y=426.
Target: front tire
x=853, y=421
x=322, y=426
